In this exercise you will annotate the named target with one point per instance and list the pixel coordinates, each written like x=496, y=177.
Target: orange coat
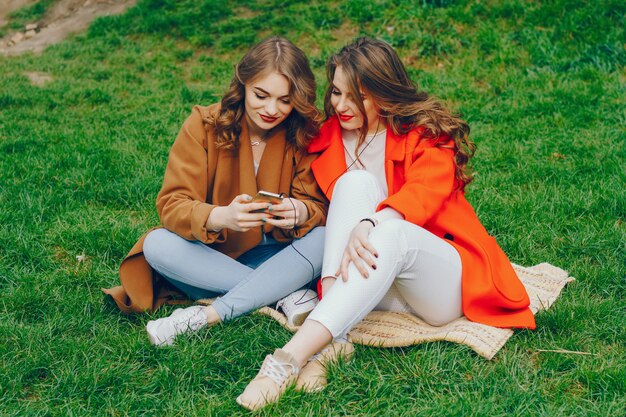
x=422, y=187
x=199, y=178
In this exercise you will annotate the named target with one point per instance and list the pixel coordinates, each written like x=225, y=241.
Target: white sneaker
x=297, y=306
x=162, y=332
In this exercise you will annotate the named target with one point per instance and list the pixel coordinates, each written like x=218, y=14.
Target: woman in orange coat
x=400, y=234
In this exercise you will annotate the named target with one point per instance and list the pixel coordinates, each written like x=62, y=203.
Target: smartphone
x=266, y=197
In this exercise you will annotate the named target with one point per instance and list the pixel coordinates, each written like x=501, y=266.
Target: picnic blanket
x=543, y=283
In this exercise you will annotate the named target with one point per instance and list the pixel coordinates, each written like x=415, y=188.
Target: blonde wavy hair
x=279, y=55
x=374, y=66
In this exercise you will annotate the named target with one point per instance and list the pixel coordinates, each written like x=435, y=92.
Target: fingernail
x=374, y=267
x=263, y=220
x=249, y=197
x=375, y=255
x=269, y=208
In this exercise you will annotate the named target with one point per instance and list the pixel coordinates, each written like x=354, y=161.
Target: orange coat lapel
x=395, y=150
x=331, y=164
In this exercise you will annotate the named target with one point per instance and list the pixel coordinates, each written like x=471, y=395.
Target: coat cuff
x=199, y=217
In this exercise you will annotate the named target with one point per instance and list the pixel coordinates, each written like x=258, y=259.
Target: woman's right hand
x=359, y=251
x=238, y=215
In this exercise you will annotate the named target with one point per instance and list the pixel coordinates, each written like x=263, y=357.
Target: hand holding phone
x=266, y=197
x=290, y=213
x=241, y=215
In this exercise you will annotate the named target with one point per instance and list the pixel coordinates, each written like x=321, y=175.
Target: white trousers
x=416, y=272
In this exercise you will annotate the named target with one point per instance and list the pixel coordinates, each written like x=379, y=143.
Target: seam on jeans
x=182, y=280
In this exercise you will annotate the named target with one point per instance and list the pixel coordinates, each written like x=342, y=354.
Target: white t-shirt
x=371, y=154
x=372, y=159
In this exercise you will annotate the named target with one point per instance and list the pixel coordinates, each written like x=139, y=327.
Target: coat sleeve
x=430, y=180
x=181, y=203
x=305, y=188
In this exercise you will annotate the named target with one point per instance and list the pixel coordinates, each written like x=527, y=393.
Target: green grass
x=542, y=85
x=18, y=19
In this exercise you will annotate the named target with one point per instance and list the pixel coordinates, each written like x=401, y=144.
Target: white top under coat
x=372, y=159
x=371, y=153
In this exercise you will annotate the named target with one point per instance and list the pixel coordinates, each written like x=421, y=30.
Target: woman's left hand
x=288, y=214
x=358, y=251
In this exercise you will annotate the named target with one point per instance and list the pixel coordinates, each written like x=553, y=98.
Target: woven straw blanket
x=543, y=282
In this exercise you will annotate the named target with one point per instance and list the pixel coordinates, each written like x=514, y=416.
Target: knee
x=317, y=235
x=314, y=238
x=391, y=226
x=157, y=245
x=312, y=244
x=356, y=180
x=389, y=230
x=388, y=240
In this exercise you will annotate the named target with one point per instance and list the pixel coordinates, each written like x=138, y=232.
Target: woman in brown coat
x=217, y=239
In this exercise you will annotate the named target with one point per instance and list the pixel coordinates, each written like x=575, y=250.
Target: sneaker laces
x=186, y=319
x=278, y=371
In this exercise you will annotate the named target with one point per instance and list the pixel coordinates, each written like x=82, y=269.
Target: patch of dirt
x=8, y=6
x=62, y=19
x=38, y=79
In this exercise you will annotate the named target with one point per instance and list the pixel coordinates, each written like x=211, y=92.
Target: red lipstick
x=268, y=119
x=345, y=118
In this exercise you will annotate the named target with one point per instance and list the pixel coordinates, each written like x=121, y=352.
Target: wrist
x=369, y=220
x=303, y=213
x=214, y=222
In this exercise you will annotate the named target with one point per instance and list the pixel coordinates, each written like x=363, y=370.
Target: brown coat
x=199, y=178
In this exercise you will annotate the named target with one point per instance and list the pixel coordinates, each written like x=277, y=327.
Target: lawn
x=543, y=87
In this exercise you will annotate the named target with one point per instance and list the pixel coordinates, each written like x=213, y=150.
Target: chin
x=268, y=126
x=349, y=125
x=264, y=125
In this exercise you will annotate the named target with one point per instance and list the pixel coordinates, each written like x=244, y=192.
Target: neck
x=254, y=132
x=376, y=126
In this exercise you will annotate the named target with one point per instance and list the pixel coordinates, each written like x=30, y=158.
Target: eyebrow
x=265, y=92
x=362, y=93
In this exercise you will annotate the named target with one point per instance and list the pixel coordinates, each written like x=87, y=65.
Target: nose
x=272, y=108
x=341, y=104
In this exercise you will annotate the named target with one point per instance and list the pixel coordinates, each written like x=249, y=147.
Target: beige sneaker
x=312, y=377
x=277, y=373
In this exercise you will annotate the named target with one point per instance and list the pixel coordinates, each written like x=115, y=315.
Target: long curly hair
x=374, y=66
x=279, y=55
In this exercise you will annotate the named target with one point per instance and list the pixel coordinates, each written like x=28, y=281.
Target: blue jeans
x=259, y=277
